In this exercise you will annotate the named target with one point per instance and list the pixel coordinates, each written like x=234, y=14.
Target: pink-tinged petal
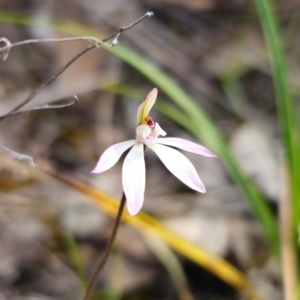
x=158, y=130
x=179, y=166
x=111, y=155
x=145, y=107
x=134, y=178
x=185, y=145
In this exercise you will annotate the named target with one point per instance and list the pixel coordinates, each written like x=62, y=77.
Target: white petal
x=134, y=178
x=111, y=155
x=158, y=130
x=179, y=166
x=185, y=145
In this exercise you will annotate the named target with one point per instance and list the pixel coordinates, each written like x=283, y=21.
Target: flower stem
x=107, y=252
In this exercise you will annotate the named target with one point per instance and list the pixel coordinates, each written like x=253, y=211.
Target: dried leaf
x=26, y=159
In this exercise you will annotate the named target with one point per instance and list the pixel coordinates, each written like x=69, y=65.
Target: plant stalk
x=107, y=252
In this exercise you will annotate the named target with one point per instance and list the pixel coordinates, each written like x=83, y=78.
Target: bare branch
x=37, y=91
x=51, y=106
x=124, y=28
x=115, y=36
x=45, y=107
x=9, y=45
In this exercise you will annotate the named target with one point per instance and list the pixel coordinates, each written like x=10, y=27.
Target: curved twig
x=115, y=36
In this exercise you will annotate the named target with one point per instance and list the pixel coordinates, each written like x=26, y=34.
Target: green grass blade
x=284, y=100
x=73, y=253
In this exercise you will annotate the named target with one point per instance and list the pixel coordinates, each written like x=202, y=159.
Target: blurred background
x=51, y=235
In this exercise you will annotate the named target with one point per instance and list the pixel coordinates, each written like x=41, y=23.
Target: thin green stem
x=285, y=103
x=107, y=252
x=74, y=256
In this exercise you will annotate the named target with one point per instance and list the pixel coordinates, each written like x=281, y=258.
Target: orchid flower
x=134, y=171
